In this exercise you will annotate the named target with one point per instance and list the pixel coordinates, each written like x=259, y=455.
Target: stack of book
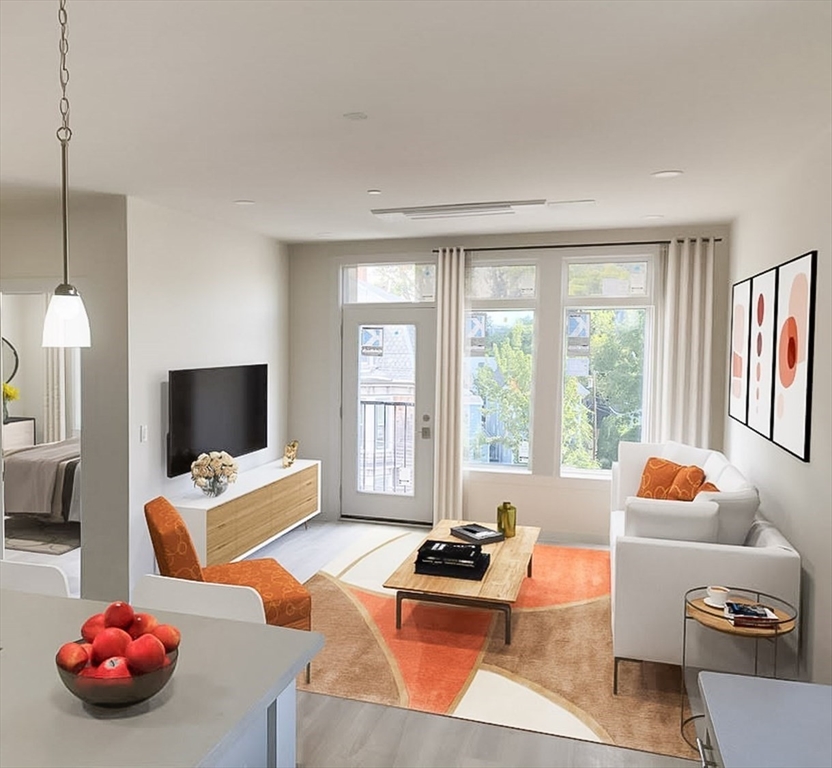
x=750, y=615
x=446, y=558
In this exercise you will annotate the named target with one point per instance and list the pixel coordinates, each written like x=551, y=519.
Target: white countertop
x=227, y=674
x=759, y=722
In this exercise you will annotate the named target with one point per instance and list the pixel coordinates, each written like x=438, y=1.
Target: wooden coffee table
x=511, y=562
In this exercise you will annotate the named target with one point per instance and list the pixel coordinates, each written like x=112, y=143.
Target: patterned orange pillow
x=657, y=477
x=686, y=484
x=708, y=488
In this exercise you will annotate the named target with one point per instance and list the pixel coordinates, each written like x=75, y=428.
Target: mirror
x=11, y=361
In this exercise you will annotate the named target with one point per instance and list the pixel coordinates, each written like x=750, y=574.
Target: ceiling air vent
x=460, y=210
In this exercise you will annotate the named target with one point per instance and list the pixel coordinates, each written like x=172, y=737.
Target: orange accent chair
x=287, y=603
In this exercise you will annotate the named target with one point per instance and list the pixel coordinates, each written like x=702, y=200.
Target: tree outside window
x=606, y=332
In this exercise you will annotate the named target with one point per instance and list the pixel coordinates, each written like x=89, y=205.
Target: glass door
x=387, y=413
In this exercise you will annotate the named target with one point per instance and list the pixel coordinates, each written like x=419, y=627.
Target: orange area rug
x=555, y=677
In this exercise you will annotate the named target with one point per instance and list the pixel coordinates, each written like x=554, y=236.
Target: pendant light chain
x=64, y=134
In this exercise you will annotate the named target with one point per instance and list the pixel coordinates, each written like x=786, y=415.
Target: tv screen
x=215, y=409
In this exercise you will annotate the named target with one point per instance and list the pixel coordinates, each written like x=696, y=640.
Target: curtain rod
x=579, y=245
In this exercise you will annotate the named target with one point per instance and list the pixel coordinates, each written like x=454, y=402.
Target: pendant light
x=66, y=323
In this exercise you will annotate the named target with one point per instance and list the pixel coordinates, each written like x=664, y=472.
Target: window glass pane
x=497, y=387
x=386, y=404
x=500, y=282
x=608, y=280
x=602, y=384
x=389, y=283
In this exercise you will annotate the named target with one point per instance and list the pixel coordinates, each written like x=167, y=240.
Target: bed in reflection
x=44, y=480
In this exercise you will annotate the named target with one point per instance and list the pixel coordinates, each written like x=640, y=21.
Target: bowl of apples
x=122, y=657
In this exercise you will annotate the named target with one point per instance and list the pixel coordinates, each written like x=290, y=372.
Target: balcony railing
x=385, y=446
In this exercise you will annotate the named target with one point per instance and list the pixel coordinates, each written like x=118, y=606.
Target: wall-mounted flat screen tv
x=215, y=409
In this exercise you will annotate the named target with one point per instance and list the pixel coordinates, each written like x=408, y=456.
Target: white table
x=759, y=722
x=231, y=700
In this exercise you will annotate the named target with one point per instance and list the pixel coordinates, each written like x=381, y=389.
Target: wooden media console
x=264, y=503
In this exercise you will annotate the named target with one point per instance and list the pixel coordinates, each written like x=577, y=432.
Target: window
x=389, y=283
x=497, y=390
x=607, y=335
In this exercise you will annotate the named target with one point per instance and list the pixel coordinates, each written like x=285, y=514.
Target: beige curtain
x=450, y=323
x=686, y=332
x=54, y=406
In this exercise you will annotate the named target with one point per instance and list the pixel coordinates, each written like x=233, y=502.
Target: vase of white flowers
x=212, y=472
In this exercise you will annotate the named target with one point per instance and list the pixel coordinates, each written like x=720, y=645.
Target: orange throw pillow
x=686, y=484
x=708, y=488
x=657, y=477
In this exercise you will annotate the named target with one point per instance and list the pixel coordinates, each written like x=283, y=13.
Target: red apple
x=118, y=614
x=142, y=624
x=145, y=654
x=114, y=667
x=169, y=635
x=72, y=657
x=92, y=626
x=88, y=650
x=110, y=641
x=87, y=672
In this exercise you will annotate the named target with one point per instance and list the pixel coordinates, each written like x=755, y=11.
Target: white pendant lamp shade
x=66, y=323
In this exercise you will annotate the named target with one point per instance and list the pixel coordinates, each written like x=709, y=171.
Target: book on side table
x=750, y=614
x=477, y=533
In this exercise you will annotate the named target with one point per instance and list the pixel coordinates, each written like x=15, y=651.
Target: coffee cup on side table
x=717, y=595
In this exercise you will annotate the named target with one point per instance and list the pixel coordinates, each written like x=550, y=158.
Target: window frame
x=517, y=304
x=649, y=301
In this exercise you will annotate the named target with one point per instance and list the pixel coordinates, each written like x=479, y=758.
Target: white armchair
x=661, y=549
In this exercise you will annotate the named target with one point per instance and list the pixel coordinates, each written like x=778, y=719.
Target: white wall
x=30, y=244
x=794, y=217
x=186, y=276
x=201, y=295
x=566, y=508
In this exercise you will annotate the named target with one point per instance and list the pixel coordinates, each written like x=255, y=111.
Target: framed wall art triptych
x=772, y=343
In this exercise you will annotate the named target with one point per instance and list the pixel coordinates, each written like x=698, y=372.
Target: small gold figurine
x=290, y=454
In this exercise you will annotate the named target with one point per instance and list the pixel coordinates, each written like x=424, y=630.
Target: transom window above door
x=389, y=283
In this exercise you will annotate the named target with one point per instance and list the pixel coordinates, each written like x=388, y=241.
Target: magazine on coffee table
x=477, y=533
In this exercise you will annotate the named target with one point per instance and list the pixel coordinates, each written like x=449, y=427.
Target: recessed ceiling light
x=373, y=191
x=244, y=202
x=666, y=174
x=355, y=115
x=653, y=216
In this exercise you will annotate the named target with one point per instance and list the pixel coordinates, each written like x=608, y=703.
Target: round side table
x=712, y=617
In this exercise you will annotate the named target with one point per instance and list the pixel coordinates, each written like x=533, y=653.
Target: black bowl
x=119, y=692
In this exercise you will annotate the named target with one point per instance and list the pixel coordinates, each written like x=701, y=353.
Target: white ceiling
x=193, y=104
